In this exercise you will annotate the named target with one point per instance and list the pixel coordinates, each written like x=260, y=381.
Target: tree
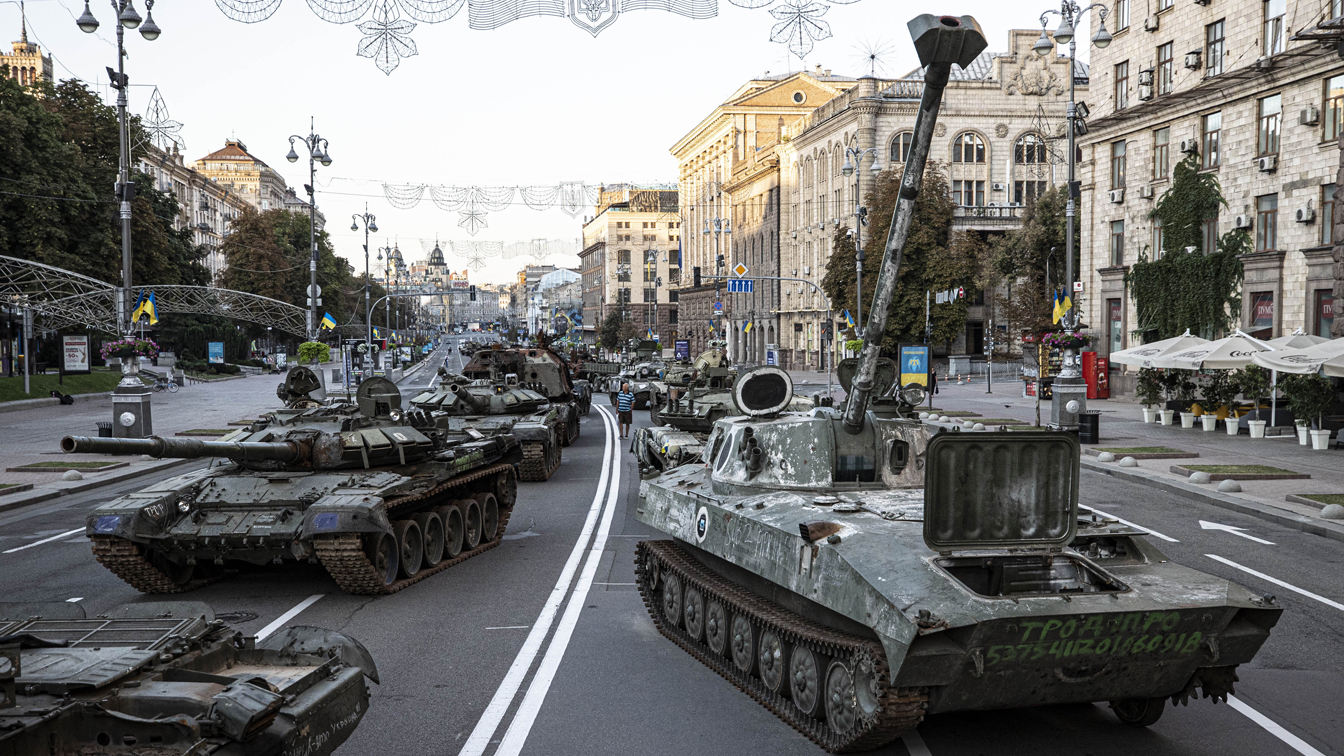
x=1031, y=260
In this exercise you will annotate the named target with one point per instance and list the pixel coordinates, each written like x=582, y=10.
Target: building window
x=650, y=295
x=1117, y=243
x=1334, y=107
x=1267, y=133
x=1122, y=85
x=1262, y=313
x=968, y=193
x=1118, y=164
x=1214, y=43
x=623, y=257
x=1116, y=324
x=673, y=295
x=1325, y=312
x=1208, y=234
x=1166, y=69
x=1161, y=153
x=1273, y=35
x=1027, y=192
x=1210, y=142
x=1328, y=214
x=1159, y=238
x=672, y=315
x=1266, y=222
x=1029, y=150
x=1121, y=14
x=1165, y=5
x=968, y=148
x=900, y=146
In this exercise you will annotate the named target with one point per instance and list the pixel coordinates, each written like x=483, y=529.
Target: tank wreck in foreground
x=168, y=678
x=853, y=573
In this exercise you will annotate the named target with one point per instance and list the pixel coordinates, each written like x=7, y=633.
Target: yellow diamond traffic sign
x=740, y=269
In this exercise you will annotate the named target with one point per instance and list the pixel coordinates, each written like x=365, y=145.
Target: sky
x=533, y=103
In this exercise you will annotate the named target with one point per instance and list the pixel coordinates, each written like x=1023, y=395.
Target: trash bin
x=105, y=430
x=1089, y=427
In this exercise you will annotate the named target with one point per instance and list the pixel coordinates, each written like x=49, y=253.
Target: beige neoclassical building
x=999, y=138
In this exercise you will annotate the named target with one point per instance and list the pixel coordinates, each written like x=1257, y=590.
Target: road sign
x=740, y=269
x=312, y=293
x=718, y=307
x=740, y=285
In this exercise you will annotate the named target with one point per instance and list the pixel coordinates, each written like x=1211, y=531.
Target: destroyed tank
x=169, y=678
x=493, y=409
x=378, y=496
x=537, y=369
x=710, y=371
x=854, y=573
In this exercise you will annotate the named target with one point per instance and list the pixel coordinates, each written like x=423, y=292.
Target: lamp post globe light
x=1069, y=389
x=316, y=147
x=860, y=220
x=370, y=225
x=127, y=18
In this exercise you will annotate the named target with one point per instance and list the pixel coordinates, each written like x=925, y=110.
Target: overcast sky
x=533, y=103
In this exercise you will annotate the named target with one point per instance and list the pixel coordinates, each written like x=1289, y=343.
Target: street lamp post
x=370, y=224
x=317, y=152
x=720, y=226
x=1069, y=389
x=860, y=220
x=127, y=18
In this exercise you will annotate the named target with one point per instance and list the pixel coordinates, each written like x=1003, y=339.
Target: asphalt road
x=542, y=645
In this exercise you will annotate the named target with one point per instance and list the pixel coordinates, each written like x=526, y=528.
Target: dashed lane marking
x=287, y=616
x=66, y=534
x=1273, y=728
x=1277, y=582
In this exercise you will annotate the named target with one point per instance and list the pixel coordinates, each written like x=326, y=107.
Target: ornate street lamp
x=316, y=147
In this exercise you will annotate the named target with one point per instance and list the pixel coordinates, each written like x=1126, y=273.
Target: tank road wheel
x=805, y=680
x=772, y=660
x=655, y=417
x=842, y=710
x=179, y=574
x=453, y=531
x=381, y=549
x=1139, y=712
x=716, y=627
x=743, y=643
x=431, y=534
x=694, y=614
x=672, y=600
x=489, y=516
x=472, y=519
x=410, y=546
x=654, y=574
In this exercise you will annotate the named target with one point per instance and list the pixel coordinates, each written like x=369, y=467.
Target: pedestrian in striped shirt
x=625, y=405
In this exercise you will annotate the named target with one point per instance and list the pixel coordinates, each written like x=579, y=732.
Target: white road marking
x=1206, y=525
x=287, y=616
x=510, y=627
x=74, y=600
x=614, y=583
x=1277, y=582
x=481, y=735
x=44, y=540
x=526, y=716
x=1149, y=531
x=1274, y=728
x=915, y=744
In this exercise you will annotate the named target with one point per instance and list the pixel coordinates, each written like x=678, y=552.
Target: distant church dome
x=436, y=257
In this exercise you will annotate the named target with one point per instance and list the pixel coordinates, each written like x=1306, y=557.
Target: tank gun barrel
x=940, y=41
x=185, y=448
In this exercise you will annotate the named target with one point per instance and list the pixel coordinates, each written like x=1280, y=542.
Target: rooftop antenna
x=874, y=54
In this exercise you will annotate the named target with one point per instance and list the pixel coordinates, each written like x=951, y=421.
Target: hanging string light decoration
x=386, y=32
x=473, y=203
x=160, y=129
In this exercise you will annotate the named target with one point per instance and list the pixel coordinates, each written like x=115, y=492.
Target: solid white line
x=915, y=744
x=1277, y=582
x=1149, y=531
x=44, y=540
x=526, y=716
x=499, y=705
x=287, y=616
x=1274, y=728
x=74, y=600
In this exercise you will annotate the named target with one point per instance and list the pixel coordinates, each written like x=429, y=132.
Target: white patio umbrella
x=1142, y=356
x=1228, y=353
x=1296, y=340
x=1303, y=361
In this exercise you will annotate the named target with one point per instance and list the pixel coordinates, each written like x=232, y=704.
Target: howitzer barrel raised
x=185, y=448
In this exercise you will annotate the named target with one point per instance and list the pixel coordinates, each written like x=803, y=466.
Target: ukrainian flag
x=711, y=325
x=375, y=333
x=327, y=321
x=849, y=319
x=650, y=334
x=146, y=307
x=746, y=327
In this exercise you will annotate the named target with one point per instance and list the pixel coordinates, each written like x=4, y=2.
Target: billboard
x=75, y=353
x=915, y=365
x=216, y=353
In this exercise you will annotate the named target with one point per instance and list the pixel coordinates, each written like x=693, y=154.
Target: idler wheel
x=842, y=710
x=1139, y=712
x=489, y=516
x=471, y=512
x=805, y=680
x=178, y=572
x=431, y=533
x=410, y=545
x=672, y=600
x=453, y=530
x=654, y=574
x=772, y=660
x=694, y=614
x=716, y=627
x=743, y=643
x=381, y=549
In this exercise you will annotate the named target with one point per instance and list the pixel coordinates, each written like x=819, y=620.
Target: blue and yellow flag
x=327, y=321
x=146, y=307
x=375, y=333
x=746, y=327
x=1056, y=312
x=650, y=333
x=711, y=325
x=849, y=319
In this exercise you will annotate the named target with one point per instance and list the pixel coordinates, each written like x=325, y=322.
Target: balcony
x=987, y=218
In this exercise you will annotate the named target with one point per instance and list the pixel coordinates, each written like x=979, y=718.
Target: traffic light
x=695, y=276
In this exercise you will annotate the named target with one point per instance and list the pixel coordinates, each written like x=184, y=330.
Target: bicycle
x=166, y=384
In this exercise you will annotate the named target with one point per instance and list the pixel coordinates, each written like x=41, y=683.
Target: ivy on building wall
x=1180, y=286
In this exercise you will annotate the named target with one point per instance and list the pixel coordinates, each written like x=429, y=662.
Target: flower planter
x=1167, y=416
x=1301, y=431
x=1210, y=422
x=1320, y=439
x=1187, y=420
x=1149, y=414
x=1257, y=428
x=1231, y=426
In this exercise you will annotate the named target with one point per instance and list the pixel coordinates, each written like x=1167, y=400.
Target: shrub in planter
x=314, y=351
x=1309, y=396
x=1253, y=381
x=1149, y=387
x=1219, y=390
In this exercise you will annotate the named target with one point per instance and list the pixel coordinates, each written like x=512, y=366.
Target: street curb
x=40, y=495
x=1223, y=501
x=47, y=401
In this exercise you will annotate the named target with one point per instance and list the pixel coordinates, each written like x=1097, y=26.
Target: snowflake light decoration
x=385, y=38
x=160, y=129
x=474, y=203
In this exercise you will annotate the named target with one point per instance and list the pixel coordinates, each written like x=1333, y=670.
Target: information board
x=681, y=349
x=216, y=353
x=915, y=365
x=75, y=353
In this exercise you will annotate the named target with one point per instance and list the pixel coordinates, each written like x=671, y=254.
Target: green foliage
x=617, y=331
x=1150, y=386
x=1253, y=382
x=1181, y=287
x=1309, y=396
x=854, y=345
x=1219, y=389
x=314, y=351
x=1024, y=257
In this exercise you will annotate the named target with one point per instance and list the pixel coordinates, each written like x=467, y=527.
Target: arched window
x=968, y=148
x=900, y=147
x=1029, y=150
x=837, y=159
x=807, y=174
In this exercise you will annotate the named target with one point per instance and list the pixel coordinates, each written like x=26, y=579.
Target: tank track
x=344, y=559
x=125, y=560
x=533, y=468
x=899, y=709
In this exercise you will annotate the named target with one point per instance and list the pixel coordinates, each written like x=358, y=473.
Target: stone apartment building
x=1233, y=82
x=998, y=138
x=204, y=206
x=26, y=64
x=631, y=261
x=237, y=169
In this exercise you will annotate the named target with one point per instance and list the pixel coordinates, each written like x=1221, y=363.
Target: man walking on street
x=625, y=405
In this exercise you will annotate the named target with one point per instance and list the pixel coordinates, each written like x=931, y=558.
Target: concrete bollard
x=1129, y=462
x=1229, y=486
